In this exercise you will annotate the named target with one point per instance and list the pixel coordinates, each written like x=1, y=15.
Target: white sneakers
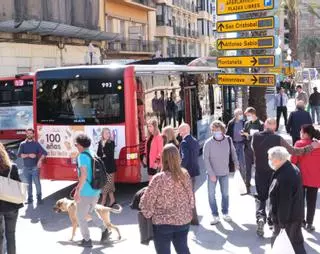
x=227, y=218
x=216, y=219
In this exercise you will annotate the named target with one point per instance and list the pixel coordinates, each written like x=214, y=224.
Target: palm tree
x=309, y=46
x=293, y=8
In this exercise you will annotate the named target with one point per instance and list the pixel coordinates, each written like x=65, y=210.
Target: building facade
x=184, y=28
x=134, y=21
x=37, y=34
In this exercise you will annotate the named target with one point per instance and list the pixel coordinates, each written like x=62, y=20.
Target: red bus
x=72, y=100
x=16, y=106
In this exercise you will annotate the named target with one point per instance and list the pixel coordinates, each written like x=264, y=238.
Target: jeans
x=33, y=174
x=84, y=207
x=163, y=235
x=314, y=110
x=310, y=194
x=239, y=146
x=8, y=220
x=224, y=187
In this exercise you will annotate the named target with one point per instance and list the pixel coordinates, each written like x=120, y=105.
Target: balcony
x=149, y=3
x=144, y=46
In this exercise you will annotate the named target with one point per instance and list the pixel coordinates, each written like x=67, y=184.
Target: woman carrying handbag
x=106, y=153
x=8, y=210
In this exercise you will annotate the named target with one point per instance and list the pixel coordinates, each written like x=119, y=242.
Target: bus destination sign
x=246, y=79
x=245, y=61
x=226, y=7
x=267, y=42
x=246, y=25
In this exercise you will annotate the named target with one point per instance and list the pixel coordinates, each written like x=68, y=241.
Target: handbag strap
x=10, y=170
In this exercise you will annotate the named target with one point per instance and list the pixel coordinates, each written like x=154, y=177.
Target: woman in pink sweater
x=153, y=149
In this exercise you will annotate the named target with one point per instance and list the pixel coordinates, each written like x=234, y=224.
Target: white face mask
x=249, y=118
x=217, y=135
x=270, y=165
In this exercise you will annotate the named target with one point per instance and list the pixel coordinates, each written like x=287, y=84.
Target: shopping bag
x=240, y=183
x=282, y=244
x=11, y=190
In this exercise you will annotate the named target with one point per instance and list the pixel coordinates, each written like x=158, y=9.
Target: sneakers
x=310, y=228
x=105, y=235
x=260, y=229
x=215, y=220
x=40, y=202
x=85, y=244
x=227, y=218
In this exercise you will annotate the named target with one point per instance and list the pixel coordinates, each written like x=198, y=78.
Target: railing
x=149, y=3
x=133, y=46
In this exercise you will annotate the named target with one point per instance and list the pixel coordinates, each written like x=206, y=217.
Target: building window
x=109, y=24
x=164, y=15
x=203, y=27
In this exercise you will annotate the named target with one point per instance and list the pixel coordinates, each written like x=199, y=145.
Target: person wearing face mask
x=286, y=198
x=261, y=143
x=234, y=130
x=216, y=155
x=252, y=126
x=32, y=154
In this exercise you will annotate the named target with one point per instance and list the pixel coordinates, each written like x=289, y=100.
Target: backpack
x=99, y=172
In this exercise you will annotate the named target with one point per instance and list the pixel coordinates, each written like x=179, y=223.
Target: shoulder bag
x=11, y=190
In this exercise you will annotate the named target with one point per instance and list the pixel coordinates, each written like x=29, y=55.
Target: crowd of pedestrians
x=245, y=144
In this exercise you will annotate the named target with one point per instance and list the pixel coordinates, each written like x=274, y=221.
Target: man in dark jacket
x=234, y=128
x=314, y=101
x=252, y=126
x=189, y=151
x=286, y=198
x=296, y=120
x=261, y=143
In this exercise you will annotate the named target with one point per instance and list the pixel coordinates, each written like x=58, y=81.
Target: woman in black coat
x=8, y=210
x=106, y=153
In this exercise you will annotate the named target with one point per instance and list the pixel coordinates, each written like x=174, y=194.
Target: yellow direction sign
x=245, y=61
x=275, y=70
x=245, y=25
x=246, y=79
x=266, y=42
x=225, y=7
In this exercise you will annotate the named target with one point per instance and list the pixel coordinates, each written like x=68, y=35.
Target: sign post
x=246, y=79
x=245, y=61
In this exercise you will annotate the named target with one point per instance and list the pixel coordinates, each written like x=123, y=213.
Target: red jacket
x=155, y=151
x=309, y=165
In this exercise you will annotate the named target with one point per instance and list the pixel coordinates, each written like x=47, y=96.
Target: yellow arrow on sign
x=225, y=7
x=246, y=79
x=245, y=61
x=266, y=42
x=245, y=25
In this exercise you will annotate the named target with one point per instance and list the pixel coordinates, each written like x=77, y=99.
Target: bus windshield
x=16, y=93
x=80, y=101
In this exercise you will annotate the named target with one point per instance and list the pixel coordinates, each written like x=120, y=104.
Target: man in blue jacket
x=189, y=151
x=296, y=120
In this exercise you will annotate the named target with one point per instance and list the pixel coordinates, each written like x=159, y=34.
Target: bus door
x=191, y=108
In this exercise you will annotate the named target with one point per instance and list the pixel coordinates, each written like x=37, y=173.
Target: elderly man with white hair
x=261, y=143
x=286, y=198
x=234, y=130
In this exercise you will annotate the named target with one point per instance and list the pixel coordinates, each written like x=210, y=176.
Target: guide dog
x=70, y=206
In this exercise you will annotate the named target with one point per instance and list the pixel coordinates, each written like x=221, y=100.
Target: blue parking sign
x=267, y=2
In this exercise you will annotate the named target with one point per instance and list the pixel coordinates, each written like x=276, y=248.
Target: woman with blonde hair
x=169, y=201
x=8, y=210
x=106, y=153
x=169, y=136
x=153, y=149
